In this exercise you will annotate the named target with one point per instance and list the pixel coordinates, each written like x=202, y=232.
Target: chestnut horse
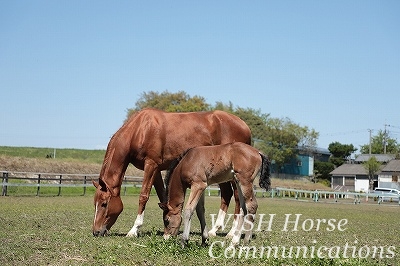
x=203, y=166
x=151, y=139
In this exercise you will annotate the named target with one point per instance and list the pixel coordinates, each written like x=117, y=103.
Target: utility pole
x=370, y=140
x=385, y=139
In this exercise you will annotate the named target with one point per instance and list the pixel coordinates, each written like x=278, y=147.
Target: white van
x=386, y=190
x=389, y=194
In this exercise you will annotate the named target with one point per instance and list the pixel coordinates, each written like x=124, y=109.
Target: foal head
x=107, y=205
x=172, y=219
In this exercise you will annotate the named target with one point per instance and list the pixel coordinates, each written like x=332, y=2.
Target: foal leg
x=226, y=195
x=200, y=211
x=194, y=197
x=236, y=212
x=251, y=207
x=240, y=217
x=150, y=174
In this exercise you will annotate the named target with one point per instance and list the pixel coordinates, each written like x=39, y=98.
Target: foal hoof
x=184, y=243
x=204, y=244
x=229, y=235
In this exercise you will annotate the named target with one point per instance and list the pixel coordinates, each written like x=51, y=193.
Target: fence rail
x=38, y=180
x=336, y=196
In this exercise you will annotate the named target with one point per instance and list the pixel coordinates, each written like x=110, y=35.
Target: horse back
x=216, y=164
x=163, y=136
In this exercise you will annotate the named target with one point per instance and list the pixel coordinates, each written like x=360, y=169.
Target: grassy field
x=89, y=156
x=57, y=231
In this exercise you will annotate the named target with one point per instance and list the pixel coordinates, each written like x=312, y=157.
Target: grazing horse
x=203, y=166
x=151, y=139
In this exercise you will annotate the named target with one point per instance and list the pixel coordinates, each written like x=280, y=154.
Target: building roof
x=392, y=166
x=349, y=169
x=383, y=158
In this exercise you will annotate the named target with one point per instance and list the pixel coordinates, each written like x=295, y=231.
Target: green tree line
x=279, y=138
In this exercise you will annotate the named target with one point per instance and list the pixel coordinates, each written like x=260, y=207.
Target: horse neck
x=176, y=191
x=114, y=167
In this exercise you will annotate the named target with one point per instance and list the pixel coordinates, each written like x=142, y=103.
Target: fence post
x=38, y=188
x=316, y=196
x=125, y=185
x=84, y=187
x=59, y=188
x=5, y=180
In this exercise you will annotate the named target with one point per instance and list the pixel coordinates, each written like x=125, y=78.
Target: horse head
x=172, y=220
x=108, y=206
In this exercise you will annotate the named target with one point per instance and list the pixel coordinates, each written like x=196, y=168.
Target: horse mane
x=265, y=181
x=171, y=169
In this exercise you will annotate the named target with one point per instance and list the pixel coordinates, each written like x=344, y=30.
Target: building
x=354, y=177
x=389, y=175
x=303, y=163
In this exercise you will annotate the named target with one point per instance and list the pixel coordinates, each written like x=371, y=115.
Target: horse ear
x=96, y=184
x=163, y=206
x=103, y=185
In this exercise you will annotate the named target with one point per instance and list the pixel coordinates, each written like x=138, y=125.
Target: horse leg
x=159, y=186
x=194, y=197
x=250, y=206
x=236, y=212
x=238, y=229
x=239, y=217
x=200, y=211
x=226, y=195
x=150, y=173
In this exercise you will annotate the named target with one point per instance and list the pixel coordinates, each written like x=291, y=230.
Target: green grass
x=57, y=231
x=89, y=156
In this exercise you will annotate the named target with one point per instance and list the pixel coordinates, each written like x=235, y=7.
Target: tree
x=284, y=138
x=170, y=102
x=322, y=169
x=372, y=166
x=279, y=138
x=340, y=152
x=378, y=144
x=256, y=120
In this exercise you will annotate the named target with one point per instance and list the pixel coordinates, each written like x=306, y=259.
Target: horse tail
x=265, y=181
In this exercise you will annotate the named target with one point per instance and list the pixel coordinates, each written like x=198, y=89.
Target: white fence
x=40, y=180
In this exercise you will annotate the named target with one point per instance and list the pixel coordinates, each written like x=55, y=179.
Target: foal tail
x=265, y=181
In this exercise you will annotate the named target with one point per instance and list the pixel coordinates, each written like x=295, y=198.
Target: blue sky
x=69, y=70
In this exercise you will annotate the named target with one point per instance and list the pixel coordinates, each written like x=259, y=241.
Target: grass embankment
x=76, y=161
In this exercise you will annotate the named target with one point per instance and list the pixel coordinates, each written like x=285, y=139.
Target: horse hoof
x=132, y=234
x=233, y=244
x=229, y=236
x=212, y=234
x=184, y=243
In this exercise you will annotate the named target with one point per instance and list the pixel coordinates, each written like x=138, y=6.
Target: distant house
x=382, y=158
x=389, y=175
x=350, y=177
x=354, y=177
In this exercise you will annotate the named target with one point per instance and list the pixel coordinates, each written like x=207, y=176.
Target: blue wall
x=301, y=165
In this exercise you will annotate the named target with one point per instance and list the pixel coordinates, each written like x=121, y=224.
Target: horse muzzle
x=101, y=232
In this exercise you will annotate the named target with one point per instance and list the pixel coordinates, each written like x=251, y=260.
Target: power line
x=347, y=132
